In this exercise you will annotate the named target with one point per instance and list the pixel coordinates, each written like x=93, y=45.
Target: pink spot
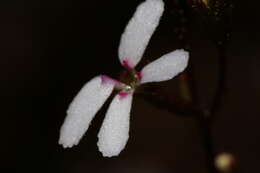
x=127, y=65
x=123, y=94
x=105, y=79
x=139, y=75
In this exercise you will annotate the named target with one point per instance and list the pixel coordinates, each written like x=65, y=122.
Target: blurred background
x=49, y=49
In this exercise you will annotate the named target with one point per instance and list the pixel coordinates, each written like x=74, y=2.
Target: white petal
x=83, y=108
x=139, y=31
x=114, y=131
x=166, y=67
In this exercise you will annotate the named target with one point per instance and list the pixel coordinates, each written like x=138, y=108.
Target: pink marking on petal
x=139, y=75
x=123, y=94
x=127, y=65
x=105, y=79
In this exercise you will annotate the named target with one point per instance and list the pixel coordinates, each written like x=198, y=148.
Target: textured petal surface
x=83, y=108
x=114, y=131
x=166, y=67
x=139, y=31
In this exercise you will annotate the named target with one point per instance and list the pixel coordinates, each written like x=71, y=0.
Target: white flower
x=114, y=131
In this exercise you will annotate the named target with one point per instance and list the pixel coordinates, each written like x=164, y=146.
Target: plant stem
x=206, y=134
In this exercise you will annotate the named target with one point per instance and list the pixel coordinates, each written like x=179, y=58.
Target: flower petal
x=83, y=108
x=139, y=31
x=114, y=131
x=166, y=67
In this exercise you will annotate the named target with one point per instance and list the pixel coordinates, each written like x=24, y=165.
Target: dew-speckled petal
x=139, y=31
x=166, y=67
x=83, y=109
x=114, y=131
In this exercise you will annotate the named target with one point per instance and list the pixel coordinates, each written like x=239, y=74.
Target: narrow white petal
x=139, y=31
x=114, y=131
x=83, y=108
x=166, y=67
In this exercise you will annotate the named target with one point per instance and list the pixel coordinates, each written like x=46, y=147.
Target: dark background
x=49, y=49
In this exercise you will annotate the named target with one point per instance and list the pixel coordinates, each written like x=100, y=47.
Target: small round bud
x=224, y=162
